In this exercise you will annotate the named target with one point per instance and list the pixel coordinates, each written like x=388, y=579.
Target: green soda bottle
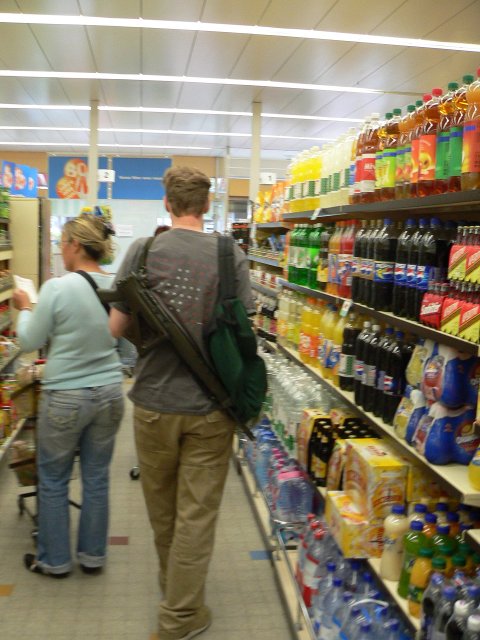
x=413, y=541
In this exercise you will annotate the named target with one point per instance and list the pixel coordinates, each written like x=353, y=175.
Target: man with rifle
x=183, y=436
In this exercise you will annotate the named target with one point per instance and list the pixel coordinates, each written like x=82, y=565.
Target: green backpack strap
x=141, y=266
x=226, y=269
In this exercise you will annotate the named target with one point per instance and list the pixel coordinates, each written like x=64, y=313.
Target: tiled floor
x=122, y=603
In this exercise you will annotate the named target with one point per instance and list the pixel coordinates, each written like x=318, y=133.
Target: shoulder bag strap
x=226, y=268
x=94, y=286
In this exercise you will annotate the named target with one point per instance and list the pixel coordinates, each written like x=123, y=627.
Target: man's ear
x=167, y=205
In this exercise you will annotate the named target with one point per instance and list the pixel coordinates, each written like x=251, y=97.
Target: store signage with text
x=139, y=178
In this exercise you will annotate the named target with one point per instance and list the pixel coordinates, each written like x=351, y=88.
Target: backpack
x=232, y=345
x=236, y=375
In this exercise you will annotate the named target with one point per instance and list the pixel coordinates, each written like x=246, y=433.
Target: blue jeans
x=87, y=420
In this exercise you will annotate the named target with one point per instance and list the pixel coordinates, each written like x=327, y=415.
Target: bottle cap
x=452, y=516
x=439, y=563
x=468, y=79
x=397, y=112
x=449, y=593
x=394, y=625
x=355, y=564
x=461, y=609
x=435, y=222
x=337, y=582
x=331, y=566
x=416, y=525
x=473, y=591
x=387, y=221
x=441, y=506
x=430, y=518
x=427, y=97
x=425, y=552
x=458, y=560
x=473, y=622
x=365, y=626
x=420, y=508
x=367, y=577
x=410, y=222
x=398, y=509
x=452, y=86
x=347, y=596
x=443, y=529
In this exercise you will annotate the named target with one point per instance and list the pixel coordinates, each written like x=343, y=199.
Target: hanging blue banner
x=68, y=177
x=20, y=179
x=139, y=178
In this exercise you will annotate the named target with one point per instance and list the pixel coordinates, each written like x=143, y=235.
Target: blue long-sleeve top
x=70, y=318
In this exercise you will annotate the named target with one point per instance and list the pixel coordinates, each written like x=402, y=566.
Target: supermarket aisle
x=122, y=602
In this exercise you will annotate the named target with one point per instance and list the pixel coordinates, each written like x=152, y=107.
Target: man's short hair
x=187, y=190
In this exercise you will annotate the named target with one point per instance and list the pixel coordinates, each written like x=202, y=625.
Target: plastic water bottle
x=367, y=587
x=306, y=538
x=457, y=623
x=328, y=629
x=301, y=496
x=392, y=630
x=473, y=628
x=352, y=576
x=365, y=631
x=443, y=613
x=324, y=585
x=313, y=557
x=342, y=612
x=430, y=602
x=351, y=625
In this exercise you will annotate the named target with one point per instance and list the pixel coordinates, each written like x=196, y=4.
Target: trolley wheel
x=134, y=473
x=21, y=505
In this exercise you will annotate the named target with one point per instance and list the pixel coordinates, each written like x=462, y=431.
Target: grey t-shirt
x=182, y=269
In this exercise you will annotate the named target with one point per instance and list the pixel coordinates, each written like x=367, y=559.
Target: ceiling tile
x=189, y=11
x=122, y=93
x=19, y=49
x=117, y=9
x=66, y=48
x=263, y=57
x=310, y=60
x=62, y=7
x=234, y=12
x=462, y=25
x=80, y=92
x=355, y=17
x=215, y=54
x=115, y=50
x=157, y=47
x=121, y=119
x=156, y=120
x=156, y=94
x=279, y=14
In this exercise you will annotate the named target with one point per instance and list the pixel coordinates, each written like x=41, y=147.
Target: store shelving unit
x=272, y=262
x=261, y=288
x=280, y=224
x=441, y=203
x=389, y=318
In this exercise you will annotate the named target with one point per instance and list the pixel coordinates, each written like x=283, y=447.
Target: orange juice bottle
x=357, y=187
x=418, y=122
x=305, y=333
x=316, y=322
x=446, y=108
x=369, y=151
x=419, y=579
x=456, y=135
x=428, y=145
x=471, y=138
x=430, y=526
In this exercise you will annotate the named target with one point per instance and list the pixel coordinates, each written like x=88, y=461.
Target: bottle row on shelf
x=432, y=148
x=427, y=272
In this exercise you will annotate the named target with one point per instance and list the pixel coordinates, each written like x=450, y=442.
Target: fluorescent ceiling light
x=237, y=82
x=58, y=107
x=226, y=134
x=206, y=112
x=178, y=25
x=110, y=146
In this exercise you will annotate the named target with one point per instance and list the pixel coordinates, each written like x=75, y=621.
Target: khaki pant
x=183, y=462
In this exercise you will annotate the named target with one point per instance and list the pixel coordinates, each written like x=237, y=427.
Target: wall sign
x=68, y=177
x=139, y=178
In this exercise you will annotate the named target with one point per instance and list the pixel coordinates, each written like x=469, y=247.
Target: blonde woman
x=81, y=404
